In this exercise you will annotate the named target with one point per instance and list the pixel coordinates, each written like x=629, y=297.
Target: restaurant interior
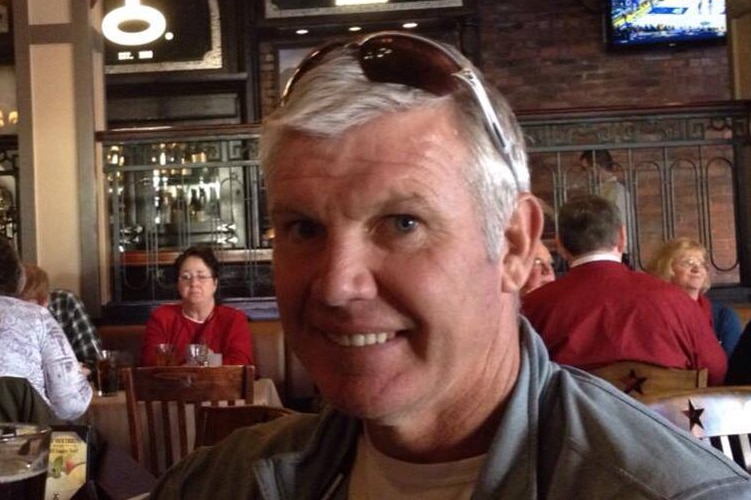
x=115, y=157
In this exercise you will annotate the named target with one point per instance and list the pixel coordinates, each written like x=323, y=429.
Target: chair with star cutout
x=720, y=415
x=639, y=379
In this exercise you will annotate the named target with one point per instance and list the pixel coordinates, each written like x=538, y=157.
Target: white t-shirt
x=377, y=476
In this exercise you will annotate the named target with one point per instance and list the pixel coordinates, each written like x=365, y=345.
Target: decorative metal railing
x=682, y=167
x=679, y=165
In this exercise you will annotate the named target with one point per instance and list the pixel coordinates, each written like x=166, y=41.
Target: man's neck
x=596, y=256
x=462, y=430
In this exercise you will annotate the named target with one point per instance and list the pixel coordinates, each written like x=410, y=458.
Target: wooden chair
x=214, y=423
x=638, y=379
x=720, y=415
x=167, y=399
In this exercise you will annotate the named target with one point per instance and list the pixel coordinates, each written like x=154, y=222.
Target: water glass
x=197, y=354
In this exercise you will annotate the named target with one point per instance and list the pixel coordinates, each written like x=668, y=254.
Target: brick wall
x=551, y=54
x=546, y=54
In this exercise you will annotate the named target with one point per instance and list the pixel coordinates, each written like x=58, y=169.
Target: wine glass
x=198, y=354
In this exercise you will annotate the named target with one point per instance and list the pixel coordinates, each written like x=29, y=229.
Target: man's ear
x=522, y=234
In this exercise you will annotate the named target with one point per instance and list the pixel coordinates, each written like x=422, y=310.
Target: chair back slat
x=151, y=427
x=724, y=446
x=182, y=425
x=744, y=450
x=720, y=415
x=168, y=398
x=166, y=423
x=641, y=380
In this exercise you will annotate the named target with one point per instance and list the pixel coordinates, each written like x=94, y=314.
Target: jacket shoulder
x=602, y=440
x=225, y=470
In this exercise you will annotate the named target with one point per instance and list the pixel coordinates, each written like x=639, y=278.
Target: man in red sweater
x=601, y=312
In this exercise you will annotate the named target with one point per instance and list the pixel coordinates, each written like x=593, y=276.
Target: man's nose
x=345, y=274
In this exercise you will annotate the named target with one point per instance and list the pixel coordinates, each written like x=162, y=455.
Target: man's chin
x=360, y=404
x=369, y=412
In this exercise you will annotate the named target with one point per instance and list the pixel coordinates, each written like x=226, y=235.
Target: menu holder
x=70, y=461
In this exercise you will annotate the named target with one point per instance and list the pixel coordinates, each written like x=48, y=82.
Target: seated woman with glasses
x=683, y=261
x=197, y=318
x=543, y=272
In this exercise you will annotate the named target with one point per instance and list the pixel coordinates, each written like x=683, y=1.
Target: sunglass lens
x=398, y=59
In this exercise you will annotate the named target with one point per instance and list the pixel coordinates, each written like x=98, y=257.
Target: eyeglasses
x=187, y=277
x=547, y=266
x=418, y=62
x=692, y=263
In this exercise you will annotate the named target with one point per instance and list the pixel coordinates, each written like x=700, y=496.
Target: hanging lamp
x=133, y=12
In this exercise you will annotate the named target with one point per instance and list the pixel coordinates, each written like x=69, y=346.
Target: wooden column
x=60, y=82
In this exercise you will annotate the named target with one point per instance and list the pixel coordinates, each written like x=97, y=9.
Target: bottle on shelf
x=193, y=205
x=212, y=204
x=179, y=208
x=165, y=208
x=201, y=205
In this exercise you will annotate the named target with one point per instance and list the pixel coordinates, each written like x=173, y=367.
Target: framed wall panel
x=282, y=9
x=193, y=40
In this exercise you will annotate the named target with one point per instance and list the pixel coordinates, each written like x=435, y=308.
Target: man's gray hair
x=335, y=96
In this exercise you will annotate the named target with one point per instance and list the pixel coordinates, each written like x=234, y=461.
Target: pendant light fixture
x=139, y=15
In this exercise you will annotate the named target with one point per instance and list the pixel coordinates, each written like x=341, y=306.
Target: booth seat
x=272, y=358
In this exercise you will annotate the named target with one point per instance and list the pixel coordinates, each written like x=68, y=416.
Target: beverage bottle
x=200, y=208
x=212, y=207
x=165, y=208
x=179, y=208
x=193, y=205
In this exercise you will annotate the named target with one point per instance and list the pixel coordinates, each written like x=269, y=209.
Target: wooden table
x=109, y=414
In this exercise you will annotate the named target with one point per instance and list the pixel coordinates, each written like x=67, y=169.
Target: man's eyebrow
x=397, y=198
x=286, y=211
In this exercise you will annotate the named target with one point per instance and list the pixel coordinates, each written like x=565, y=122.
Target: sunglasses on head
x=418, y=62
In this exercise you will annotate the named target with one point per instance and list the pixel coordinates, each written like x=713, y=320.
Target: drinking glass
x=24, y=453
x=198, y=354
x=165, y=355
x=107, y=373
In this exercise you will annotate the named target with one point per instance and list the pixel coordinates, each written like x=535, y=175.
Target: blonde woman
x=684, y=262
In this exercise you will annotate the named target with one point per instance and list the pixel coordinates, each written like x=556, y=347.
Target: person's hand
x=84, y=369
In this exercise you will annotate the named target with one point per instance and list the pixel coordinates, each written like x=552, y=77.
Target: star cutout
x=632, y=382
x=694, y=415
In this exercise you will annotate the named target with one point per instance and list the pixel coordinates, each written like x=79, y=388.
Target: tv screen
x=646, y=23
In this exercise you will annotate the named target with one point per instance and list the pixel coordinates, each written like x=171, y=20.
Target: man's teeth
x=361, y=339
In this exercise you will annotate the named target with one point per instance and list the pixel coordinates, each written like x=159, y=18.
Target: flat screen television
x=653, y=23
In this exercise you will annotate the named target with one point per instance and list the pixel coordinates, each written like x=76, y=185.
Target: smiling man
x=404, y=231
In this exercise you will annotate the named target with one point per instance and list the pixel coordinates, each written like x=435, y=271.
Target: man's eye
x=304, y=229
x=405, y=223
